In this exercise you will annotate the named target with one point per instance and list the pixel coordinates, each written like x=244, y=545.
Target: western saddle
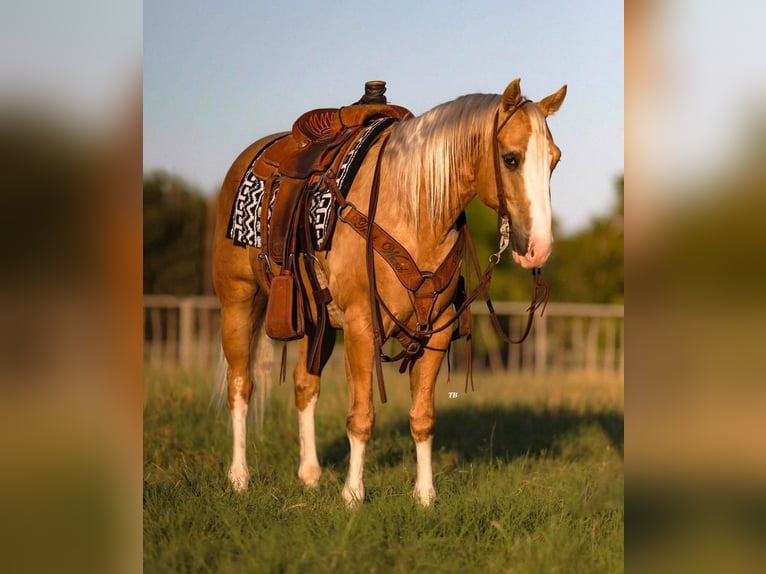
x=297, y=163
x=294, y=167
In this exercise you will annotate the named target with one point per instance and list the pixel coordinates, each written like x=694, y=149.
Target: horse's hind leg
x=306, y=396
x=238, y=319
x=422, y=418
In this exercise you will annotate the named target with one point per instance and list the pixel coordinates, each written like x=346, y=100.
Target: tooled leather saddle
x=294, y=165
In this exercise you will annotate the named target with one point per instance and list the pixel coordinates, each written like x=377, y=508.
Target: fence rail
x=573, y=338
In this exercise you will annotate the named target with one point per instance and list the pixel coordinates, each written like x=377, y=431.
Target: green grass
x=528, y=475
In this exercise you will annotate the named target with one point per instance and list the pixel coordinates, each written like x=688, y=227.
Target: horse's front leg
x=361, y=411
x=422, y=418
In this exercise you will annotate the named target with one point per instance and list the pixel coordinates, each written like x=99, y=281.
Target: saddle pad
x=246, y=217
x=245, y=220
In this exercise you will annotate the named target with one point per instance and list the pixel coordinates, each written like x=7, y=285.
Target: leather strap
x=377, y=327
x=421, y=283
x=397, y=257
x=502, y=207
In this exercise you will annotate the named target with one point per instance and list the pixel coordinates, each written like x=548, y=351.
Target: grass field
x=528, y=475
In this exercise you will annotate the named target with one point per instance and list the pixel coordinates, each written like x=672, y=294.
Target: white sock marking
x=309, y=470
x=238, y=473
x=353, y=491
x=424, y=485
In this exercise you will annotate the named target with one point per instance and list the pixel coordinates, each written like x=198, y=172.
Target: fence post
x=541, y=345
x=591, y=350
x=577, y=355
x=185, y=332
x=156, y=344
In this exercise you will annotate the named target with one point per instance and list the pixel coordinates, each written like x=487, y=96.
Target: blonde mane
x=432, y=151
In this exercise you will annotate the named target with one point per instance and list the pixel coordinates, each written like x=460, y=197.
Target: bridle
x=505, y=229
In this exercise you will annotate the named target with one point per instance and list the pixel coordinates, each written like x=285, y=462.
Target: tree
x=588, y=266
x=584, y=267
x=175, y=231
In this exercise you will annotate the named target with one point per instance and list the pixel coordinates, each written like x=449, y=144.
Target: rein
x=425, y=287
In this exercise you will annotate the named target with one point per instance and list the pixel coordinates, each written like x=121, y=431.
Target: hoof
x=239, y=478
x=309, y=475
x=353, y=497
x=425, y=495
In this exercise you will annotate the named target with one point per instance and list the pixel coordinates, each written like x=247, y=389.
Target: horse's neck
x=433, y=186
x=427, y=235
x=443, y=153
x=428, y=242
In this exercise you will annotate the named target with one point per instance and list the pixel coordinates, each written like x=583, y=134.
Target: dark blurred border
x=695, y=392
x=70, y=288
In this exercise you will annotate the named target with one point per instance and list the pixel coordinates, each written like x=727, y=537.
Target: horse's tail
x=261, y=361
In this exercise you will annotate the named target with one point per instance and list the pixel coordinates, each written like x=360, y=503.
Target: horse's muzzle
x=519, y=242
x=535, y=256
x=531, y=250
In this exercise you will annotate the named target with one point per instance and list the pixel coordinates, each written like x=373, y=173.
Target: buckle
x=413, y=348
x=342, y=207
x=505, y=240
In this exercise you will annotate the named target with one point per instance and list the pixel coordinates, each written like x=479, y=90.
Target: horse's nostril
x=531, y=251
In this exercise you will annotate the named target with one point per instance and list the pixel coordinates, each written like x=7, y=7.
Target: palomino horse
x=496, y=148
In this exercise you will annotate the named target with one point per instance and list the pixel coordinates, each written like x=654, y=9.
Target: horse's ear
x=552, y=103
x=512, y=95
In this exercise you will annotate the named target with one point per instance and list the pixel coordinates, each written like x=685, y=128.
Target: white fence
x=573, y=338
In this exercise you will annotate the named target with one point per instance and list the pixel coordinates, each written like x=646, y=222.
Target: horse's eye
x=511, y=160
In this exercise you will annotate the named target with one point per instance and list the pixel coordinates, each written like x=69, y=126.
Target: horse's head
x=524, y=157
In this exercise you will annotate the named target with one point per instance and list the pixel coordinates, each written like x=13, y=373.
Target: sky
x=219, y=75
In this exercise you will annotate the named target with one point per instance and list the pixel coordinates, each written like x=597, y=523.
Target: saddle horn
x=374, y=93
